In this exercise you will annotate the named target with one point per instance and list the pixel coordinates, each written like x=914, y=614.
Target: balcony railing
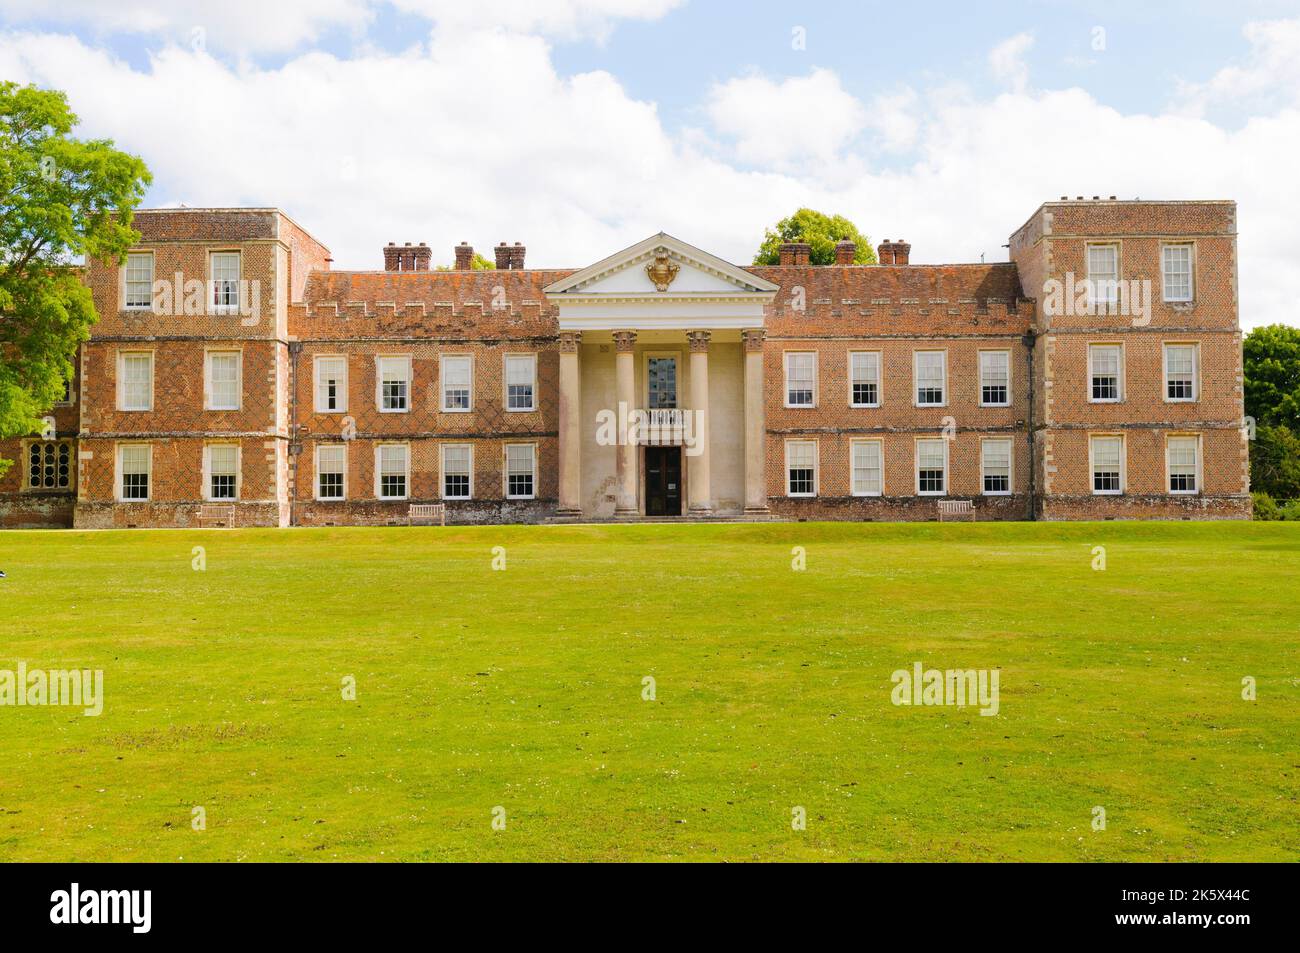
x=662, y=426
x=665, y=417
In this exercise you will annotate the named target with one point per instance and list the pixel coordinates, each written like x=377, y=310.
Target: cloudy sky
x=582, y=126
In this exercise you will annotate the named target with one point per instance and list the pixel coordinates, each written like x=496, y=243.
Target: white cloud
x=1269, y=78
x=241, y=26
x=780, y=124
x=1007, y=60
x=497, y=146
x=275, y=26
x=568, y=19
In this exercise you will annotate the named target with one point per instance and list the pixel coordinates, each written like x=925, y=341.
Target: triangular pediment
x=661, y=267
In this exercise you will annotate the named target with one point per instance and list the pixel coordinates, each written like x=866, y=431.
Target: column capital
x=699, y=340
x=753, y=338
x=624, y=341
x=569, y=341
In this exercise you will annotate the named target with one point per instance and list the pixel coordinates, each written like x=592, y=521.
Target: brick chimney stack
x=510, y=256
x=794, y=253
x=406, y=257
x=464, y=256
x=844, y=251
x=893, y=253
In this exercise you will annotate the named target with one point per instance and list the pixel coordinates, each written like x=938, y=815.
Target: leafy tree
x=819, y=230
x=61, y=200
x=1275, y=462
x=477, y=263
x=1272, y=366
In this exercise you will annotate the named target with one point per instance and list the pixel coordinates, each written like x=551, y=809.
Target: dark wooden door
x=663, y=481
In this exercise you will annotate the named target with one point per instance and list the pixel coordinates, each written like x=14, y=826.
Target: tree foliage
x=62, y=200
x=1271, y=358
x=1275, y=462
x=1272, y=365
x=819, y=230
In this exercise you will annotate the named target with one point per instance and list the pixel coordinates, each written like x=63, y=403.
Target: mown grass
x=523, y=689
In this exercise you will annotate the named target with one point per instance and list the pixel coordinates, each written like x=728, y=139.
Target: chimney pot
x=794, y=253
x=845, y=250
x=464, y=256
x=517, y=256
x=503, y=256
x=893, y=253
x=406, y=257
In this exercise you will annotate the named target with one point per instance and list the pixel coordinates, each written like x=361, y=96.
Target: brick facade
x=293, y=310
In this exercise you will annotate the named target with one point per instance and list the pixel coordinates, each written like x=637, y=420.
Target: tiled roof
x=430, y=287
x=927, y=283
x=865, y=283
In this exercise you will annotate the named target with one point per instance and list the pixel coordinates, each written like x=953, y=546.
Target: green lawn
x=523, y=689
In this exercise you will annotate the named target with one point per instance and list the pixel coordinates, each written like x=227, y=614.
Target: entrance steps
x=642, y=520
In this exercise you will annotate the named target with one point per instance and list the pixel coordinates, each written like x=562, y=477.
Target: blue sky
x=580, y=126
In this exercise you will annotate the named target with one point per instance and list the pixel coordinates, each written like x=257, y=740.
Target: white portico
x=661, y=384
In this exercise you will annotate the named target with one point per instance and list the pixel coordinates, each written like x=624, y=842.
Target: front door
x=663, y=481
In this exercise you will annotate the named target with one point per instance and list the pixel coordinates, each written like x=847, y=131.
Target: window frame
x=343, y=389
x=209, y=391
x=26, y=465
x=1011, y=467
x=785, y=362
x=916, y=467
x=1006, y=352
x=1092, y=464
x=1113, y=298
x=505, y=470
x=379, y=383
x=1191, y=272
x=379, y=473
x=853, y=467
x=1121, y=383
x=880, y=361
x=442, y=471
x=442, y=383
x=206, y=489
x=126, y=281
x=816, y=467
x=531, y=357
x=316, y=471
x=676, y=357
x=916, y=376
x=1169, y=469
x=119, y=475
x=1196, y=371
x=213, y=254
x=122, y=355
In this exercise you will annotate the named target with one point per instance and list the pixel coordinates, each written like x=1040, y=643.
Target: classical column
x=570, y=426
x=697, y=466
x=755, y=425
x=625, y=392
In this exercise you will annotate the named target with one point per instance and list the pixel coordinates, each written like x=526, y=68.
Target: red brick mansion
x=1096, y=375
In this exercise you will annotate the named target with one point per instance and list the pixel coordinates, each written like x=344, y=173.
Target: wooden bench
x=214, y=513
x=422, y=512
x=956, y=508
